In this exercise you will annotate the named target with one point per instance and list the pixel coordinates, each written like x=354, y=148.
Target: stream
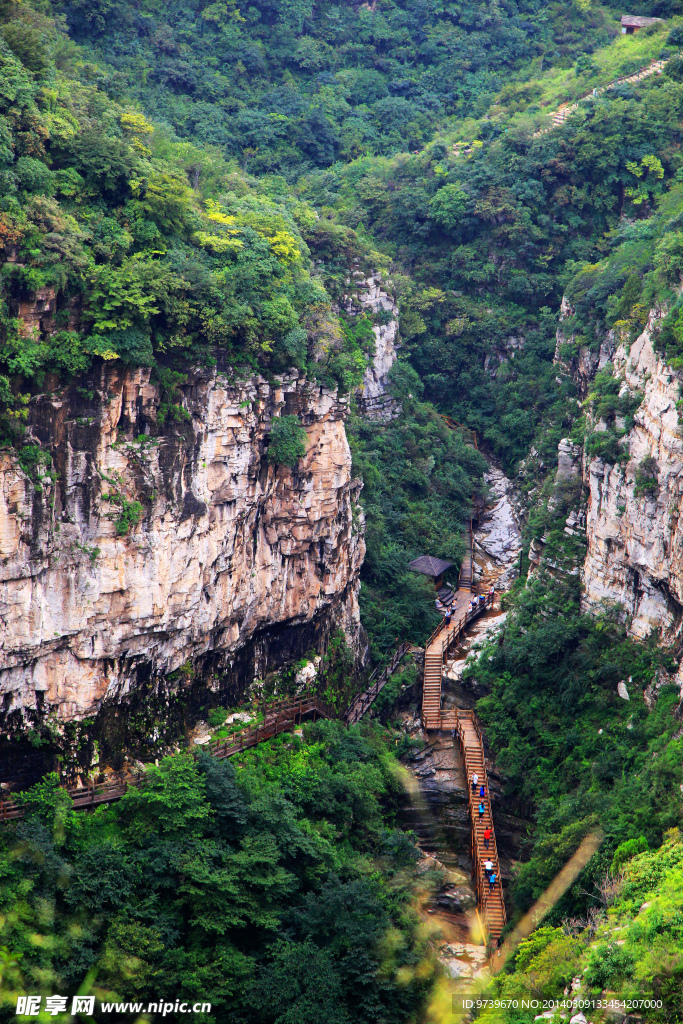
x=437, y=808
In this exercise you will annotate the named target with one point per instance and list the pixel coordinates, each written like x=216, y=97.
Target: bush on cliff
x=287, y=444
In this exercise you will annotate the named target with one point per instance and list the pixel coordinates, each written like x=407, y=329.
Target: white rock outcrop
x=498, y=533
x=635, y=542
x=227, y=546
x=371, y=296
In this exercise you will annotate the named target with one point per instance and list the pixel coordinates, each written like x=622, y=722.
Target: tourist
x=487, y=837
x=491, y=593
x=482, y=811
x=448, y=616
x=482, y=792
x=488, y=868
x=475, y=782
x=492, y=880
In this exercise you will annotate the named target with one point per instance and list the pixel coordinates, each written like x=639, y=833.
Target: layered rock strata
x=635, y=543
x=126, y=556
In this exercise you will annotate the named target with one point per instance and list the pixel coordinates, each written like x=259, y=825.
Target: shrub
x=131, y=514
x=604, y=444
x=216, y=717
x=646, y=477
x=31, y=458
x=287, y=442
x=607, y=963
x=625, y=851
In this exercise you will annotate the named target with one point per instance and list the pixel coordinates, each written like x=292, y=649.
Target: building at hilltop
x=631, y=23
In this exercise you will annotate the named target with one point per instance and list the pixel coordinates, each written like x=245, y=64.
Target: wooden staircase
x=467, y=567
x=431, y=693
x=490, y=899
x=443, y=637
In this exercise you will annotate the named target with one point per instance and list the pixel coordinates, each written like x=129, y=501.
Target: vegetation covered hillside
x=629, y=955
x=278, y=889
x=195, y=183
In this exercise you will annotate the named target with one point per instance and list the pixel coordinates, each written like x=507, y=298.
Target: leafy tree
x=287, y=445
x=448, y=205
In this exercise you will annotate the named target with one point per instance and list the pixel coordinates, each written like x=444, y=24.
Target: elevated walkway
x=489, y=898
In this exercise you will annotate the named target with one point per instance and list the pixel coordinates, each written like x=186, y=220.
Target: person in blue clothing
x=482, y=792
x=481, y=811
x=492, y=880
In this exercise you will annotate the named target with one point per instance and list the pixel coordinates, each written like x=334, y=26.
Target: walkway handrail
x=280, y=715
x=567, y=107
x=362, y=701
x=492, y=902
x=277, y=718
x=454, y=425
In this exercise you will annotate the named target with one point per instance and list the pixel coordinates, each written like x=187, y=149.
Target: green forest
x=193, y=185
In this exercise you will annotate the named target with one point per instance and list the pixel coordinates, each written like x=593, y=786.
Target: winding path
x=559, y=116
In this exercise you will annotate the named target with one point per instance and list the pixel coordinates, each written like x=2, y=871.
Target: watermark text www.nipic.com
x=30, y=1006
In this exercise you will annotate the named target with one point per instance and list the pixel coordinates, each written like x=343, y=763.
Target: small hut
x=631, y=23
x=430, y=566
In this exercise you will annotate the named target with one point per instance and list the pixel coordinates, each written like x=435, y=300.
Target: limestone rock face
x=584, y=364
x=635, y=543
x=498, y=533
x=97, y=592
x=369, y=296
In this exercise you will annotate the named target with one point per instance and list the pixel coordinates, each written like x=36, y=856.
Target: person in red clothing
x=487, y=837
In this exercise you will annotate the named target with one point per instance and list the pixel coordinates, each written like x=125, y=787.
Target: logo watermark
x=30, y=1006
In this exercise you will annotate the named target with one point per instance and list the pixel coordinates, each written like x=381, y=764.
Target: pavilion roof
x=429, y=566
x=635, y=21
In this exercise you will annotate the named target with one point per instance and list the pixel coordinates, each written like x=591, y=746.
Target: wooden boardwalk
x=285, y=714
x=278, y=717
x=466, y=578
x=489, y=898
x=436, y=648
x=360, y=704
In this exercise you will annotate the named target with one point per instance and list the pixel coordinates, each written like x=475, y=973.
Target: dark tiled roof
x=429, y=566
x=634, y=21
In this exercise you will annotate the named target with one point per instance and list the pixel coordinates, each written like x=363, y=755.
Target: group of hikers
x=478, y=601
x=488, y=864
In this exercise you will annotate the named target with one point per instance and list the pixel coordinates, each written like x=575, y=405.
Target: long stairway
x=559, y=116
x=490, y=898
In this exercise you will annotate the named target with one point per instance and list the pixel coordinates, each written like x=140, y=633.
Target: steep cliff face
x=635, y=543
x=221, y=550
x=370, y=296
x=584, y=364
